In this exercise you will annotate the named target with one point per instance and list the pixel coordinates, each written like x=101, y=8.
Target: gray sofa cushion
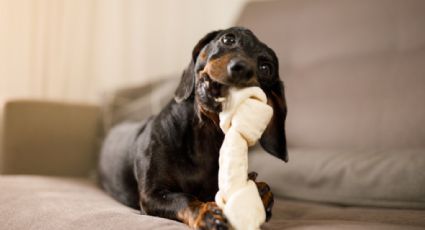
x=49, y=138
x=34, y=202
x=392, y=178
x=138, y=102
x=354, y=71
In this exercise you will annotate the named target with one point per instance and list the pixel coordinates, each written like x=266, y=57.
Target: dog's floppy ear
x=273, y=139
x=187, y=82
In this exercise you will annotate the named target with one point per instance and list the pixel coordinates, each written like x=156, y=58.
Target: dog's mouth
x=211, y=92
x=216, y=88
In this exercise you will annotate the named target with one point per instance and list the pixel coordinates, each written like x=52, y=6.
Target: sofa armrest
x=49, y=138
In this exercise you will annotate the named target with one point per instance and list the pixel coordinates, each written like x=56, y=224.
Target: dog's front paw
x=265, y=194
x=210, y=216
x=267, y=198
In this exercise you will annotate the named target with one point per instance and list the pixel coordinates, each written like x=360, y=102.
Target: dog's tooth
x=207, y=84
x=220, y=99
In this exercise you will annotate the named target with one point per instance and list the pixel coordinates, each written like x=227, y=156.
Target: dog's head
x=235, y=57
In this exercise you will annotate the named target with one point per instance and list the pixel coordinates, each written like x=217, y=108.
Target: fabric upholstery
x=348, y=177
x=40, y=202
x=50, y=138
x=138, y=102
x=354, y=70
x=35, y=202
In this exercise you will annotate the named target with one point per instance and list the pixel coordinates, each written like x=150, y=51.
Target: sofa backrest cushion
x=50, y=138
x=354, y=71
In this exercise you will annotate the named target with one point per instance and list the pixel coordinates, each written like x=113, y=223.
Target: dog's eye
x=228, y=39
x=265, y=69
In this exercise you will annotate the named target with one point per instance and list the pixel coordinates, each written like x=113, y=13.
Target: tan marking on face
x=203, y=56
x=217, y=68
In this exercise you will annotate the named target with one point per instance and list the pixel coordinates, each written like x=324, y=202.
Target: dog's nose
x=239, y=70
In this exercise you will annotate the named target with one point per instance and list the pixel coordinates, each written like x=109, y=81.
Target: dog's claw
x=252, y=175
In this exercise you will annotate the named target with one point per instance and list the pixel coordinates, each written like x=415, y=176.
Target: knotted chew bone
x=244, y=118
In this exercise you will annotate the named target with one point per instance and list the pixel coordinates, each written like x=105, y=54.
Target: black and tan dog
x=167, y=166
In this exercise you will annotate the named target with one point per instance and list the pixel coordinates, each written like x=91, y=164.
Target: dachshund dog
x=167, y=166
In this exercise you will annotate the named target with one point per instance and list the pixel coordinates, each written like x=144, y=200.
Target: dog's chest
x=199, y=171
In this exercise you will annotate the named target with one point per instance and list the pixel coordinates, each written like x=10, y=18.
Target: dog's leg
x=185, y=208
x=265, y=194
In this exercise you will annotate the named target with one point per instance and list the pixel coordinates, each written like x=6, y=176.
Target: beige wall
x=73, y=50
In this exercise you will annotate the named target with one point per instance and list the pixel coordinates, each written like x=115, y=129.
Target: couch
x=354, y=72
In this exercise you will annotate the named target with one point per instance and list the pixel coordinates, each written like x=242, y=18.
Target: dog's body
x=168, y=165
